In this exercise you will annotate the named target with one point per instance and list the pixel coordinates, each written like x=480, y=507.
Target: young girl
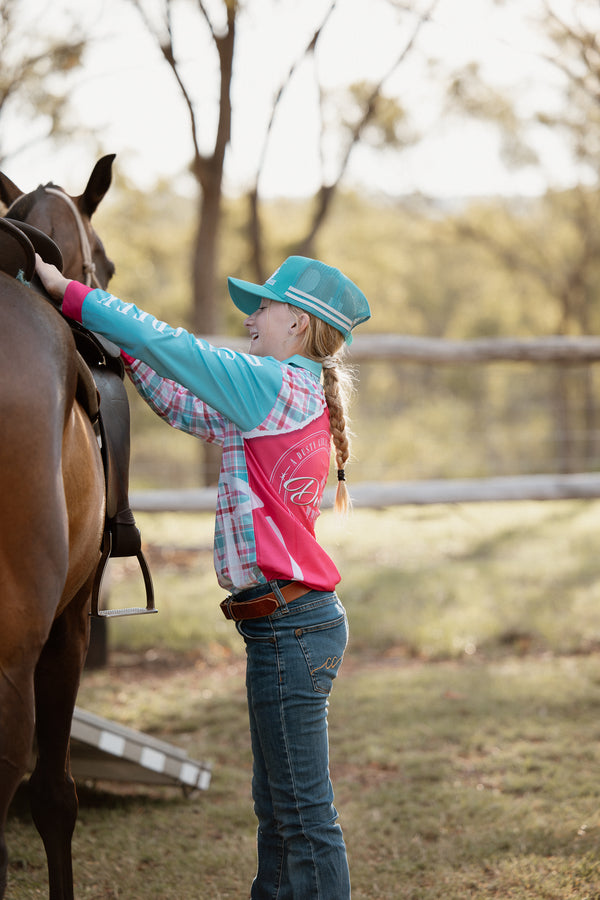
x=275, y=422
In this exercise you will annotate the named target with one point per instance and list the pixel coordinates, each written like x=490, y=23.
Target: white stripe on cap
x=320, y=305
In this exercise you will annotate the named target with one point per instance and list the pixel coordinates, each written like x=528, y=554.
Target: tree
x=372, y=116
x=574, y=51
x=563, y=259
x=25, y=79
x=206, y=167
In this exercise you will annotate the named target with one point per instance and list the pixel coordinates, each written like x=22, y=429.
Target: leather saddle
x=101, y=392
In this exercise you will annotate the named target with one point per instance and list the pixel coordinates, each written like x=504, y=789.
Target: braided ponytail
x=325, y=344
x=337, y=385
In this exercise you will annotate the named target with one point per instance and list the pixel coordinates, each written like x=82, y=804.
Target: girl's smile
x=274, y=330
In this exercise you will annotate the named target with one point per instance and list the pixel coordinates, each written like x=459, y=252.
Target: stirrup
x=128, y=611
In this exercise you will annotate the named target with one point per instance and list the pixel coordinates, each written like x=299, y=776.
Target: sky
x=128, y=94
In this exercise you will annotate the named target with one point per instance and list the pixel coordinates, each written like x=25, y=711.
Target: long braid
x=336, y=385
x=325, y=344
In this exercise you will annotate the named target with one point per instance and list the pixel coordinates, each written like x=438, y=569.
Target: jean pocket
x=323, y=647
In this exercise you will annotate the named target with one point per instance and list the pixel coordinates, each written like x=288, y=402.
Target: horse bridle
x=89, y=267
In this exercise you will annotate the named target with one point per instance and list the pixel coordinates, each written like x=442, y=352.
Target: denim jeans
x=293, y=656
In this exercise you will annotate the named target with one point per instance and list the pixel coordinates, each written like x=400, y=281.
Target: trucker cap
x=310, y=285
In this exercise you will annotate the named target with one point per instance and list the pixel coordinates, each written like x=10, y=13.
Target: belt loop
x=226, y=605
x=279, y=596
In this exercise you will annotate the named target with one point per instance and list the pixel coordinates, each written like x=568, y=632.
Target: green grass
x=465, y=725
x=432, y=582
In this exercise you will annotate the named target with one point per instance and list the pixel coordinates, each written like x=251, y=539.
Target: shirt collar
x=302, y=362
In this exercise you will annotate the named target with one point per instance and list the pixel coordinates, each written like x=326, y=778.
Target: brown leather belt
x=261, y=606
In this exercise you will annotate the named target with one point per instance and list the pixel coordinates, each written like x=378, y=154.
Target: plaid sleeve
x=176, y=405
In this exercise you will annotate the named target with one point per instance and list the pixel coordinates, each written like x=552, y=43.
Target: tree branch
x=589, y=54
x=326, y=192
x=165, y=45
x=255, y=227
x=308, y=50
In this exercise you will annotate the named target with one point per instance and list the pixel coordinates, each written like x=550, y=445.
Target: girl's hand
x=53, y=280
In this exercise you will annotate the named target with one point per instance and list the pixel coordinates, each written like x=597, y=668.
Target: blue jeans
x=293, y=656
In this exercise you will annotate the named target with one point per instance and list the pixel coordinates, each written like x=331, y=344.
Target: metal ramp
x=102, y=750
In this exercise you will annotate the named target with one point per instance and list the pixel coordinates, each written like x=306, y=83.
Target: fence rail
x=434, y=351
x=408, y=348
x=370, y=495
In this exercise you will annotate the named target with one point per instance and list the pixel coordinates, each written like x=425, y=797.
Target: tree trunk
x=207, y=314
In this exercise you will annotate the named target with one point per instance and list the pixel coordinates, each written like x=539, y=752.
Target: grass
x=432, y=582
x=465, y=726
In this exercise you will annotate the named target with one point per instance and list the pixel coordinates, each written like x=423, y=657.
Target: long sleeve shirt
x=269, y=417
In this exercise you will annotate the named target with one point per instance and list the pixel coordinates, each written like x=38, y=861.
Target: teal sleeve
x=240, y=386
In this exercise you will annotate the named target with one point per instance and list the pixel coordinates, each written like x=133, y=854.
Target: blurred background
x=444, y=154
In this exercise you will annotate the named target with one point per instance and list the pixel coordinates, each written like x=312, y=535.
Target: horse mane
x=22, y=206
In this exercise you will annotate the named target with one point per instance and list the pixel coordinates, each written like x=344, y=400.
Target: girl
x=275, y=422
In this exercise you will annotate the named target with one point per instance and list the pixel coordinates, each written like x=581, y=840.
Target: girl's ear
x=302, y=322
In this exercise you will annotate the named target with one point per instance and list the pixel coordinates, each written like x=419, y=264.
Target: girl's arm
x=240, y=386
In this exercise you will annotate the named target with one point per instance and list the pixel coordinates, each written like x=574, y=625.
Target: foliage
x=149, y=237
x=424, y=275
x=369, y=115
x=34, y=82
x=489, y=268
x=573, y=51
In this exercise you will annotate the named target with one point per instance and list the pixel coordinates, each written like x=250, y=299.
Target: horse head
x=67, y=220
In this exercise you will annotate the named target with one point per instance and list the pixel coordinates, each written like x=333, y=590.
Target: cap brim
x=247, y=296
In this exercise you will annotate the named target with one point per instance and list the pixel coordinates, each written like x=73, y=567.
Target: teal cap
x=310, y=285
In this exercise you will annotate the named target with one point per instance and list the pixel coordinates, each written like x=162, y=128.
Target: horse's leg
x=57, y=675
x=33, y=567
x=16, y=740
x=26, y=621
x=52, y=789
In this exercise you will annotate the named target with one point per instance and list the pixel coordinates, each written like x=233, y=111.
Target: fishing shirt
x=269, y=417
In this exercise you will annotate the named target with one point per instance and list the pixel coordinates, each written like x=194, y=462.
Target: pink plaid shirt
x=269, y=417
x=271, y=480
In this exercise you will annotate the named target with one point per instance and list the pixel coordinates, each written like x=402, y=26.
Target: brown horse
x=51, y=523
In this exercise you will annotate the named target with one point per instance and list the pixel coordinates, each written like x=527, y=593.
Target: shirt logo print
x=303, y=491
x=300, y=473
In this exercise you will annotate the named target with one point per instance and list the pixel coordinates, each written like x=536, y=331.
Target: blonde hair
x=325, y=344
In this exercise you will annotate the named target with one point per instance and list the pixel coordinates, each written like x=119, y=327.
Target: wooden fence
x=585, y=485
x=436, y=352
x=439, y=351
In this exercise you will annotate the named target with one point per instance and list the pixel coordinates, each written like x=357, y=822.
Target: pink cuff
x=72, y=303
x=127, y=358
